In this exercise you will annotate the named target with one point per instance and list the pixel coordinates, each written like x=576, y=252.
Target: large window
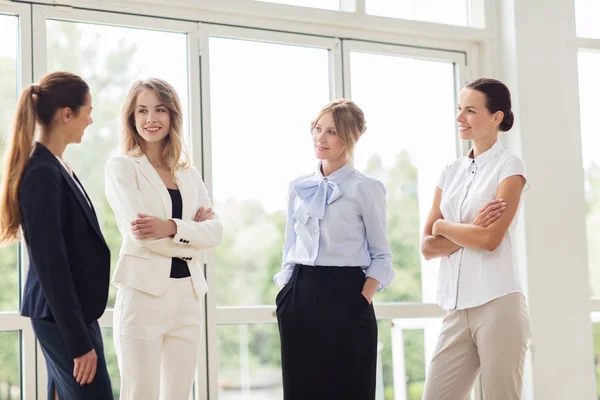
x=409, y=104
x=249, y=96
x=406, y=111
x=588, y=12
x=110, y=59
x=263, y=98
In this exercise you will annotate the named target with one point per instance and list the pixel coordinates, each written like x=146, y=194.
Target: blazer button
x=180, y=240
x=186, y=241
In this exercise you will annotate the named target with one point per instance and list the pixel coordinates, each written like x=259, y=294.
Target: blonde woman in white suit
x=165, y=217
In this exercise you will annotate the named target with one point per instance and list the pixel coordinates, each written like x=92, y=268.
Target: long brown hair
x=173, y=155
x=37, y=105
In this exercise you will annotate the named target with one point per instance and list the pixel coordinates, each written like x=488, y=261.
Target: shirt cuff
x=283, y=277
x=382, y=274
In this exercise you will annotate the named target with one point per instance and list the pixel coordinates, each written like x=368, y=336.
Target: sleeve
x=201, y=235
x=40, y=201
x=126, y=202
x=442, y=178
x=375, y=220
x=284, y=276
x=514, y=166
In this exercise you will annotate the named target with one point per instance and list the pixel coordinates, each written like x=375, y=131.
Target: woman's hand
x=147, y=227
x=369, y=289
x=84, y=367
x=485, y=217
x=436, y=227
x=490, y=213
x=203, y=214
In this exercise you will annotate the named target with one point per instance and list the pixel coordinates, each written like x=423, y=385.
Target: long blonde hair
x=173, y=155
x=349, y=121
x=37, y=104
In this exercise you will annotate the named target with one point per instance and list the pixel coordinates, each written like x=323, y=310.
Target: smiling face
x=327, y=143
x=474, y=120
x=152, y=118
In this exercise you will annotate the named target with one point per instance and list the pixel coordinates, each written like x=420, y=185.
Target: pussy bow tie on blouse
x=315, y=193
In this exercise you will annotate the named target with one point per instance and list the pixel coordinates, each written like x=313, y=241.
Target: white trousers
x=490, y=339
x=157, y=341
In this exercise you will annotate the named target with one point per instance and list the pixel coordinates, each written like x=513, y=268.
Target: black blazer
x=69, y=261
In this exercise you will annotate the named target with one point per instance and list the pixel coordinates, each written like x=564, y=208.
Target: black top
x=179, y=268
x=69, y=261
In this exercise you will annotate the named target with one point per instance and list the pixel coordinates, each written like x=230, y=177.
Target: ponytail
x=38, y=104
x=16, y=156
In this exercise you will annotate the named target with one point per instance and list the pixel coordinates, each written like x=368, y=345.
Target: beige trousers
x=157, y=341
x=490, y=339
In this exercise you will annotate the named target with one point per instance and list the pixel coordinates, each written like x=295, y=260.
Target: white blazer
x=133, y=186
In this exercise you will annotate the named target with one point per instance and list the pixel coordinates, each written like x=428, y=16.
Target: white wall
x=537, y=58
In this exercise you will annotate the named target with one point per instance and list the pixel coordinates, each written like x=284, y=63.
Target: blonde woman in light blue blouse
x=335, y=257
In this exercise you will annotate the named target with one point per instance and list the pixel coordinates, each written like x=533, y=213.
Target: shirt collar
x=483, y=159
x=338, y=176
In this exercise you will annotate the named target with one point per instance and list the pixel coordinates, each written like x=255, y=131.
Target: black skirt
x=328, y=334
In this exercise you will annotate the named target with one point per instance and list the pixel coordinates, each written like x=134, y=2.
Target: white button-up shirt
x=471, y=277
x=72, y=175
x=338, y=220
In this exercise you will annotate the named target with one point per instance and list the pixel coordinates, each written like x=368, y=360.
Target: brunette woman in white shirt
x=487, y=327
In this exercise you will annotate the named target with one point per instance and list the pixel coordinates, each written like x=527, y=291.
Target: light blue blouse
x=338, y=220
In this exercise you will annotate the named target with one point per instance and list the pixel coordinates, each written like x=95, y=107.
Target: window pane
x=263, y=98
x=9, y=267
x=249, y=362
x=405, y=113
x=10, y=366
x=587, y=13
x=110, y=59
x=405, y=347
x=324, y=4
x=589, y=95
x=452, y=12
x=111, y=361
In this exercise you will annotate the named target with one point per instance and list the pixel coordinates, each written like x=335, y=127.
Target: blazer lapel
x=88, y=210
x=83, y=202
x=152, y=176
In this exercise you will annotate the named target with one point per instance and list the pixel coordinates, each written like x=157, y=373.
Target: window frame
x=338, y=31
x=12, y=320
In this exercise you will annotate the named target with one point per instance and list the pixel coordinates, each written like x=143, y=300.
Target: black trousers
x=60, y=365
x=328, y=334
